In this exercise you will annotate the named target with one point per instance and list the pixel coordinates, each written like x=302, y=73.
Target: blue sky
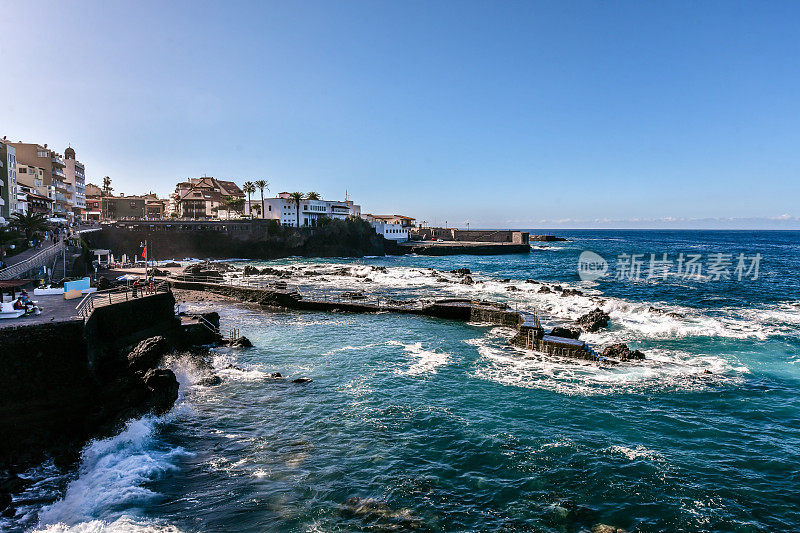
x=504, y=114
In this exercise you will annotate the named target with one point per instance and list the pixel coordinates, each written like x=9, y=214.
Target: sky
x=498, y=114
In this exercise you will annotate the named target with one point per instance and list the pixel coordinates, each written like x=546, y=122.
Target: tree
x=7, y=236
x=249, y=188
x=313, y=196
x=297, y=197
x=262, y=184
x=29, y=223
x=233, y=203
x=107, y=188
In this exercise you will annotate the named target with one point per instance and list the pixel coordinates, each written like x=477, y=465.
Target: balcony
x=58, y=172
x=57, y=161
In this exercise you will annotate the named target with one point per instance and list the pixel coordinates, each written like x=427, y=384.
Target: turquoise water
x=441, y=426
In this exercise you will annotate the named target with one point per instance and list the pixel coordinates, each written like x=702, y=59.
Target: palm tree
x=107, y=188
x=313, y=196
x=29, y=223
x=297, y=197
x=262, y=184
x=249, y=188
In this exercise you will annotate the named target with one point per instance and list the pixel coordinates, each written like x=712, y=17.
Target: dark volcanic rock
x=461, y=271
x=567, y=333
x=622, y=352
x=302, y=380
x=148, y=353
x=241, y=342
x=276, y=375
x=210, y=381
x=557, y=288
x=512, y=288
x=250, y=270
x=593, y=320
x=467, y=280
x=571, y=292
x=171, y=264
x=163, y=387
x=530, y=281
x=544, y=289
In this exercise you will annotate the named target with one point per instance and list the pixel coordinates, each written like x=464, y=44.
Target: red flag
x=144, y=253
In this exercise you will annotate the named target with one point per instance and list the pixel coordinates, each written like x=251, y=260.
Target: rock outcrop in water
x=567, y=333
x=593, y=320
x=621, y=352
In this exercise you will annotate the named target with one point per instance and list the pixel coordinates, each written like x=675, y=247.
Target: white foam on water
x=427, y=360
x=123, y=524
x=111, y=479
x=637, y=452
x=508, y=365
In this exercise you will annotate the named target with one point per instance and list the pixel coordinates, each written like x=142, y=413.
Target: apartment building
x=53, y=177
x=8, y=180
x=284, y=209
x=92, y=209
x=75, y=178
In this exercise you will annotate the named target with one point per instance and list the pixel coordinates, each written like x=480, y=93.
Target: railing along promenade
x=117, y=295
x=37, y=260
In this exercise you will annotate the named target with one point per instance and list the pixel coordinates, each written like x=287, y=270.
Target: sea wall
x=246, y=239
x=65, y=382
x=460, y=235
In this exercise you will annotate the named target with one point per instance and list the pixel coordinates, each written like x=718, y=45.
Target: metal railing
x=37, y=260
x=117, y=295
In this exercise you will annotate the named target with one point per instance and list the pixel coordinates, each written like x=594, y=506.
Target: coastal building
x=29, y=200
x=392, y=227
x=155, y=207
x=285, y=210
x=75, y=178
x=202, y=198
x=33, y=178
x=8, y=180
x=93, y=203
x=122, y=207
x=53, y=177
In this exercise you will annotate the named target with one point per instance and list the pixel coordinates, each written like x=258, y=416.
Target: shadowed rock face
x=622, y=352
x=593, y=320
x=567, y=333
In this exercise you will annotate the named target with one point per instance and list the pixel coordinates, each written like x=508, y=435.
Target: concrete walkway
x=54, y=309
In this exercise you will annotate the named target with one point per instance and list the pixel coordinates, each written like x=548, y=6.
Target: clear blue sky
x=506, y=114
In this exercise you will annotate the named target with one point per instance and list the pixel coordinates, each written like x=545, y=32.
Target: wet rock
x=210, y=381
x=380, y=269
x=241, y=342
x=530, y=281
x=276, y=375
x=567, y=333
x=506, y=280
x=655, y=310
x=467, y=280
x=544, y=289
x=605, y=528
x=571, y=292
x=593, y=320
x=250, y=270
x=302, y=380
x=148, y=353
x=557, y=288
x=512, y=288
x=12, y=483
x=461, y=271
x=163, y=387
x=673, y=314
x=379, y=511
x=621, y=352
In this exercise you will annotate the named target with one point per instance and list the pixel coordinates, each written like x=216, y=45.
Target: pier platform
x=463, y=248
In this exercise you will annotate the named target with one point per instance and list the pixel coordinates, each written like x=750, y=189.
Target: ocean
x=414, y=423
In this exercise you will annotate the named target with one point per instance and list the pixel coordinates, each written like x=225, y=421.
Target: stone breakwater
x=530, y=335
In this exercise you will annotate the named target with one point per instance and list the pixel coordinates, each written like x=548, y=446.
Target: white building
x=284, y=209
x=392, y=227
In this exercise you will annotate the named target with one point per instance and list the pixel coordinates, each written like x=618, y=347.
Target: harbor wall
x=65, y=382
